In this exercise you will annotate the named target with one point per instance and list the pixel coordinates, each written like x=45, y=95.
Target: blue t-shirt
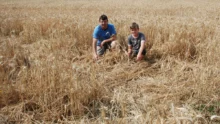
x=101, y=34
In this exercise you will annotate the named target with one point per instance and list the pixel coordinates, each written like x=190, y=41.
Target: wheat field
x=47, y=74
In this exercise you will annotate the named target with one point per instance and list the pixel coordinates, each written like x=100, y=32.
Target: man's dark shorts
x=101, y=50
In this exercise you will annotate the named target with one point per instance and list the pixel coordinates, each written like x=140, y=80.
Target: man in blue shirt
x=104, y=37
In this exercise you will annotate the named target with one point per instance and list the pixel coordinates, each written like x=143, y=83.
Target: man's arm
x=112, y=38
x=95, y=56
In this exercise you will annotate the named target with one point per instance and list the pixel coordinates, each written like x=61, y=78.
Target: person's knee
x=114, y=44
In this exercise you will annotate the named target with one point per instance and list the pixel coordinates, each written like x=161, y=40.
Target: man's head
x=134, y=29
x=103, y=20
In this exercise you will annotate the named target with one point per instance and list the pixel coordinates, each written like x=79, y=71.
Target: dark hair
x=134, y=25
x=103, y=17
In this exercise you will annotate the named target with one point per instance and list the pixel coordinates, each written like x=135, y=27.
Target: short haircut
x=103, y=17
x=134, y=25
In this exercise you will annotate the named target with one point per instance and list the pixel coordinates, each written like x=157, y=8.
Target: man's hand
x=102, y=44
x=95, y=57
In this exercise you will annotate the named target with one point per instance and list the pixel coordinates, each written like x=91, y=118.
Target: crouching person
x=104, y=37
x=136, y=43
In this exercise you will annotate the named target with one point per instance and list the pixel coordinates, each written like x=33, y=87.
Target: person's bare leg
x=113, y=45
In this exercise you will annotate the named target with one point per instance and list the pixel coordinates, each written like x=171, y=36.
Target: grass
x=47, y=74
